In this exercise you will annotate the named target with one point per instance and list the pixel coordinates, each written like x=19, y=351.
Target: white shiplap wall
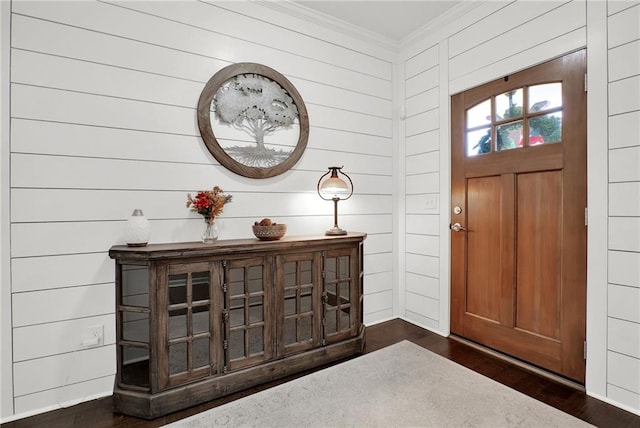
x=103, y=120
x=493, y=40
x=6, y=372
x=473, y=48
x=623, y=309
x=422, y=184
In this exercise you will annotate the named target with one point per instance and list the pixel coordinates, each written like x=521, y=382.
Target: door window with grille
x=522, y=117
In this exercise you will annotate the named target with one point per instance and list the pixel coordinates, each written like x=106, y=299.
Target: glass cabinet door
x=299, y=288
x=133, y=327
x=189, y=329
x=247, y=317
x=339, y=296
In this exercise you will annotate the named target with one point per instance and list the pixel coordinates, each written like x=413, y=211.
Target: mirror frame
x=210, y=140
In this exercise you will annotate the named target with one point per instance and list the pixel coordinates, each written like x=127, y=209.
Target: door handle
x=457, y=227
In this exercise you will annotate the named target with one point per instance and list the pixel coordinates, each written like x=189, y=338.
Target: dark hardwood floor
x=98, y=414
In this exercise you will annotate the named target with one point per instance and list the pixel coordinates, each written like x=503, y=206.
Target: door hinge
x=225, y=344
x=586, y=216
x=225, y=317
x=585, y=82
x=585, y=349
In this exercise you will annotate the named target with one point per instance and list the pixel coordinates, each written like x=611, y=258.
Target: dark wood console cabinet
x=195, y=321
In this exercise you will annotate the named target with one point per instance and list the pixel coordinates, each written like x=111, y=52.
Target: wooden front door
x=518, y=238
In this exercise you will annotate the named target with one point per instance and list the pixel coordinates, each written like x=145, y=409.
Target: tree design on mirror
x=253, y=120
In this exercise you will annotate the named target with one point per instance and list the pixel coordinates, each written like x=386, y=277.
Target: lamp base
x=335, y=231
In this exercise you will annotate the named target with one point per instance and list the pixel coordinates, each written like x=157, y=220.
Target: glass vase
x=210, y=233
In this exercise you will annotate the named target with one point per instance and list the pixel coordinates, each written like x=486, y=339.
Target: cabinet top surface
x=194, y=249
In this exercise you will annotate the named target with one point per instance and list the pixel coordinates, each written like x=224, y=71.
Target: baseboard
x=614, y=403
x=380, y=321
x=431, y=329
x=54, y=407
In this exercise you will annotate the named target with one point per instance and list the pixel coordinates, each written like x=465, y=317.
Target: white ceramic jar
x=137, y=230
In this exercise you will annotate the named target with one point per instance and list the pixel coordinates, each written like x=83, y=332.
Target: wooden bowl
x=269, y=233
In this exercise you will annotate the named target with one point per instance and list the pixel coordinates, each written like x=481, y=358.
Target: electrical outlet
x=93, y=336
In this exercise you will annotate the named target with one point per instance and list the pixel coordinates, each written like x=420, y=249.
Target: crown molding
x=440, y=22
x=308, y=14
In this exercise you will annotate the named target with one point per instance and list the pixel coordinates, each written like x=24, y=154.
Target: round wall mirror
x=253, y=120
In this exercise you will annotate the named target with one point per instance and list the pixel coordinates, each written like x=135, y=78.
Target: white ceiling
x=392, y=19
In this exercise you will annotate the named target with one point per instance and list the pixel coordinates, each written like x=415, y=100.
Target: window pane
x=201, y=319
x=236, y=313
x=306, y=328
x=331, y=321
x=256, y=341
x=135, y=366
x=177, y=324
x=236, y=344
x=305, y=301
x=135, y=286
x=177, y=289
x=479, y=115
x=509, y=105
x=254, y=273
x=330, y=268
x=344, y=292
x=236, y=288
x=305, y=272
x=289, y=301
x=545, y=129
x=200, y=353
x=256, y=312
x=200, y=285
x=290, y=331
x=177, y=358
x=344, y=319
x=509, y=135
x=344, y=267
x=332, y=295
x=135, y=327
x=479, y=141
x=290, y=274
x=545, y=97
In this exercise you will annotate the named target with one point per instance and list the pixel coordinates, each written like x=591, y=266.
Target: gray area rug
x=402, y=385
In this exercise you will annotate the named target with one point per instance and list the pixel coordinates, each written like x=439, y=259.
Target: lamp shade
x=335, y=189
x=334, y=186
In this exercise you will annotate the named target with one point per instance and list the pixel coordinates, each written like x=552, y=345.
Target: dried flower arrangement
x=208, y=203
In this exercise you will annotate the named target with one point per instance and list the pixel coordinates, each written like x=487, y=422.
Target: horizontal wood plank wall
x=103, y=121
x=623, y=329
x=6, y=346
x=422, y=187
x=509, y=40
